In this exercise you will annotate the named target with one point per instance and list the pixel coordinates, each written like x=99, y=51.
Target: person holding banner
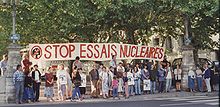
x=169, y=76
x=161, y=78
x=145, y=78
x=113, y=64
x=153, y=78
x=77, y=63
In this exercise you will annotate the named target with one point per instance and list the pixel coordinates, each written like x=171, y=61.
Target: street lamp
x=14, y=37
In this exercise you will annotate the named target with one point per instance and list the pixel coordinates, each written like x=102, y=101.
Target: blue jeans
x=76, y=91
x=168, y=84
x=115, y=92
x=152, y=86
x=199, y=82
x=130, y=89
x=19, y=90
x=137, y=86
x=191, y=83
x=161, y=86
x=28, y=94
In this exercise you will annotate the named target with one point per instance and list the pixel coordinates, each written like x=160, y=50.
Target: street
x=191, y=101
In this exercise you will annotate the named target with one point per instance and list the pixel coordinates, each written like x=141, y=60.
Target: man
x=94, y=77
x=3, y=64
x=77, y=63
x=18, y=80
x=207, y=76
x=36, y=76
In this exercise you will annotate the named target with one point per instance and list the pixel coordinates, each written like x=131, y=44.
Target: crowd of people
x=116, y=81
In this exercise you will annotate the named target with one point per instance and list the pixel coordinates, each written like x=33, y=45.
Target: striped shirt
x=18, y=76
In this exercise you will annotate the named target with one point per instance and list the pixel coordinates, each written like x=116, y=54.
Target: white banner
x=93, y=51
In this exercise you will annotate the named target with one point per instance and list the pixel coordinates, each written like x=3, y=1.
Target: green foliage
x=58, y=21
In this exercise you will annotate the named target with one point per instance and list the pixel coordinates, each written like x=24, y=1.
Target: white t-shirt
x=62, y=77
x=83, y=80
x=120, y=69
x=37, y=76
x=177, y=74
x=191, y=73
x=169, y=75
x=130, y=78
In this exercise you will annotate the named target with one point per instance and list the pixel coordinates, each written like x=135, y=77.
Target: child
x=49, y=84
x=125, y=79
x=115, y=88
x=130, y=76
x=28, y=88
x=82, y=87
x=62, y=81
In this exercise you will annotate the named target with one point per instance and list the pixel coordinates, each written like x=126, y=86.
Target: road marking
x=185, y=99
x=203, y=101
x=213, y=104
x=178, y=104
x=175, y=98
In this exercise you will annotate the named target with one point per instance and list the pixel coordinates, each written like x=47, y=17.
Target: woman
x=153, y=76
x=145, y=78
x=130, y=76
x=199, y=79
x=169, y=76
x=137, y=79
x=77, y=83
x=105, y=82
x=161, y=78
x=177, y=75
x=191, y=78
x=49, y=84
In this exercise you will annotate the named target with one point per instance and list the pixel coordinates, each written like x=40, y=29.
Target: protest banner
x=93, y=51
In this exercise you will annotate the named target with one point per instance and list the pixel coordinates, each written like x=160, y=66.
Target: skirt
x=49, y=92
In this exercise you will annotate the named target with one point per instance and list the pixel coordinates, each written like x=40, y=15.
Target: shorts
x=82, y=90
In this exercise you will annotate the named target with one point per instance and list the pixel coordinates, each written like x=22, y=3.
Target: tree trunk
x=196, y=56
x=188, y=32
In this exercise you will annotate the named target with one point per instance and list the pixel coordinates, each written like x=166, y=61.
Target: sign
x=93, y=51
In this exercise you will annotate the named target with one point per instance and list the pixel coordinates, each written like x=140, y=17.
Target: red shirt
x=26, y=64
x=49, y=78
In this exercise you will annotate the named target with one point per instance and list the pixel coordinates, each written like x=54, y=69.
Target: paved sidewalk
x=132, y=98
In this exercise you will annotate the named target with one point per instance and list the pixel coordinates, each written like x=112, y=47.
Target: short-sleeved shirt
x=62, y=77
x=49, y=78
x=83, y=80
